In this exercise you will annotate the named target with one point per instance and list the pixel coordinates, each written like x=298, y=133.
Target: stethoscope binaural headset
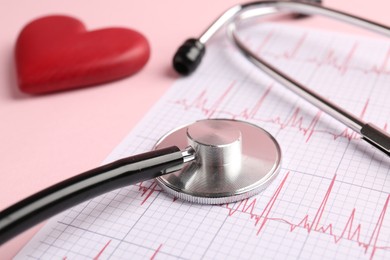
x=211, y=161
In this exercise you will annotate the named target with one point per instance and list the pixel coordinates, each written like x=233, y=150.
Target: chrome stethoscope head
x=233, y=160
x=189, y=56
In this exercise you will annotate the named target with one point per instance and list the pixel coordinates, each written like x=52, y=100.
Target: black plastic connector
x=188, y=56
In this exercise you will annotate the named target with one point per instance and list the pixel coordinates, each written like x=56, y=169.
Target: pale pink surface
x=46, y=139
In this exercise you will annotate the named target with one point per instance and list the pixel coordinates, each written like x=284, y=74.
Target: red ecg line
x=296, y=48
x=99, y=254
x=147, y=191
x=102, y=250
x=329, y=59
x=351, y=230
x=155, y=252
x=201, y=102
x=295, y=120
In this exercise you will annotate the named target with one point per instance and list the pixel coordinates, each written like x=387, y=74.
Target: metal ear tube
x=372, y=134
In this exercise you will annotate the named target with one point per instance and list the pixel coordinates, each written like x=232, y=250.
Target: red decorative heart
x=56, y=53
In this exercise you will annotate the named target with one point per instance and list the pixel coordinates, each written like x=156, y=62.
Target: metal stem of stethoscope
x=195, y=47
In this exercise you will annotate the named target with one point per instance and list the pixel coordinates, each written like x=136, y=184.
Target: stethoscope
x=211, y=161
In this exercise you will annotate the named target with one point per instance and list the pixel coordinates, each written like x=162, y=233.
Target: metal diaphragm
x=233, y=161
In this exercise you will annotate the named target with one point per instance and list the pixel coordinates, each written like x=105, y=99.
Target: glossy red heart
x=57, y=53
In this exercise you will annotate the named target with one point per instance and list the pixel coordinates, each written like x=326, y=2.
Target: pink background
x=45, y=139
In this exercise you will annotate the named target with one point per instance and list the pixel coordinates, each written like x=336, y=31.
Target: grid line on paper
x=329, y=200
x=212, y=241
x=52, y=244
x=122, y=240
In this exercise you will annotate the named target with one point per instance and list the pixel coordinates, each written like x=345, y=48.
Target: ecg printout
x=330, y=199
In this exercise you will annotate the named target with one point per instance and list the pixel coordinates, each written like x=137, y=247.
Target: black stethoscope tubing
x=87, y=185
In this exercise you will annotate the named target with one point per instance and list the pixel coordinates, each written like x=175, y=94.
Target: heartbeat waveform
x=147, y=190
x=351, y=231
x=99, y=254
x=331, y=57
x=102, y=250
x=295, y=120
x=156, y=252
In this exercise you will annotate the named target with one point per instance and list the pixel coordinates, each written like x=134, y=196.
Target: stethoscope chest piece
x=233, y=161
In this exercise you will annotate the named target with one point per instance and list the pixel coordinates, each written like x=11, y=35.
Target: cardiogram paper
x=330, y=199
